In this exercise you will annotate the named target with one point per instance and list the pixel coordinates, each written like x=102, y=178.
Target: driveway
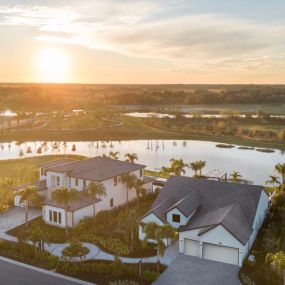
x=14, y=218
x=188, y=270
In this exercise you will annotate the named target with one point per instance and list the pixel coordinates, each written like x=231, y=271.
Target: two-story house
x=77, y=174
x=215, y=220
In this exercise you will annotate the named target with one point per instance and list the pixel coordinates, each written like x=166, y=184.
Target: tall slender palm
x=273, y=180
x=131, y=157
x=129, y=180
x=201, y=165
x=96, y=190
x=158, y=233
x=236, y=176
x=65, y=197
x=195, y=167
x=139, y=187
x=29, y=196
x=280, y=168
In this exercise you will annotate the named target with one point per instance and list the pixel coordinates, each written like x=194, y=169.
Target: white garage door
x=220, y=253
x=191, y=247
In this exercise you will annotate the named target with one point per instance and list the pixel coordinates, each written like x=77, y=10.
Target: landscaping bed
x=108, y=229
x=271, y=239
x=99, y=272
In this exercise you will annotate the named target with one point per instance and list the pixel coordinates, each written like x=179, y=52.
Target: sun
x=52, y=65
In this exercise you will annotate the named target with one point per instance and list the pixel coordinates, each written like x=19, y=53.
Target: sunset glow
x=52, y=65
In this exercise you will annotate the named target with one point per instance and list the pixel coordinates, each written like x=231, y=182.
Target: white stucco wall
x=151, y=218
x=79, y=214
x=218, y=235
x=45, y=212
x=183, y=218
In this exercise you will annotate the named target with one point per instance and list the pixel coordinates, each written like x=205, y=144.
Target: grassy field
x=134, y=128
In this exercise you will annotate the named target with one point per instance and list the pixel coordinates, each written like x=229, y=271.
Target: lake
x=253, y=165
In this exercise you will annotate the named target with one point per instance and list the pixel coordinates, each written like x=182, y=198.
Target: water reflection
x=253, y=165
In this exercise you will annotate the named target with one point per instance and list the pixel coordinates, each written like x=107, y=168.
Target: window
x=50, y=215
x=176, y=218
x=57, y=180
x=84, y=184
x=141, y=173
x=55, y=216
x=111, y=202
x=45, y=172
x=42, y=171
x=76, y=182
x=59, y=217
x=115, y=181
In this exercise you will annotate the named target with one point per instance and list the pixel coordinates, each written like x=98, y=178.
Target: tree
x=140, y=190
x=38, y=236
x=195, y=167
x=96, y=190
x=177, y=166
x=277, y=262
x=236, y=176
x=168, y=232
x=65, y=197
x=158, y=233
x=201, y=164
x=280, y=168
x=131, y=157
x=29, y=196
x=114, y=154
x=129, y=180
x=273, y=180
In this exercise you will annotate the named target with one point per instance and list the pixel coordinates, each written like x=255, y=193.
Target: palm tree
x=129, y=180
x=38, y=236
x=168, y=233
x=273, y=180
x=65, y=197
x=114, y=154
x=236, y=176
x=277, y=262
x=131, y=157
x=158, y=233
x=280, y=168
x=140, y=190
x=96, y=189
x=195, y=167
x=201, y=165
x=178, y=166
x=29, y=196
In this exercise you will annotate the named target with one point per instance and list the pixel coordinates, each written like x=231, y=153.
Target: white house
x=215, y=220
x=77, y=174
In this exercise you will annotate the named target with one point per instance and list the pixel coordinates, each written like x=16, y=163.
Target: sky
x=143, y=41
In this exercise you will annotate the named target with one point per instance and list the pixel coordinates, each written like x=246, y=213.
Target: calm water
x=253, y=165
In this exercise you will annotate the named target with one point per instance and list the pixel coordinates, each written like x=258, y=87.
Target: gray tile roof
x=96, y=169
x=56, y=162
x=84, y=200
x=231, y=205
x=41, y=185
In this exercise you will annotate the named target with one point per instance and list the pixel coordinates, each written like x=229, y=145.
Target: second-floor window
x=76, y=182
x=176, y=218
x=115, y=181
x=111, y=202
x=42, y=171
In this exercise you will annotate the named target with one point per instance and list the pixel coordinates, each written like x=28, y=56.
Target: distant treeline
x=47, y=97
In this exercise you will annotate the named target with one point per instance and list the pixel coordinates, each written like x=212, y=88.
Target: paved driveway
x=188, y=270
x=13, y=218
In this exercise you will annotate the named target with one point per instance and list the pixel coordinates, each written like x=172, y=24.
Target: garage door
x=191, y=247
x=220, y=253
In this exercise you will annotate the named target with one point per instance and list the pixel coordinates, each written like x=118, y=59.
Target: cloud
x=147, y=30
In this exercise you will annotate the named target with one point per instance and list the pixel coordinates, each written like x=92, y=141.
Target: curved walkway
x=16, y=217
